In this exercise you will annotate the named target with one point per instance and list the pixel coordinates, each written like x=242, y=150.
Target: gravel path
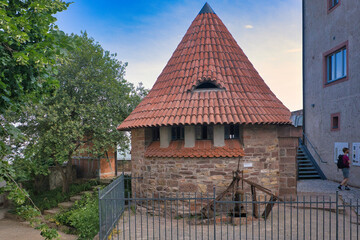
x=14, y=230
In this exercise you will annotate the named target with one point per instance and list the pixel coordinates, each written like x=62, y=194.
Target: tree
x=30, y=44
x=93, y=98
x=29, y=47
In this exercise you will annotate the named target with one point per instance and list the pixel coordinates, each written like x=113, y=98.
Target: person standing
x=345, y=169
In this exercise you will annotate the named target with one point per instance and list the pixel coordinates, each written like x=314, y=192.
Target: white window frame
x=331, y=62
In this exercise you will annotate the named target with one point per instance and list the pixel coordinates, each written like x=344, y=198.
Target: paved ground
x=14, y=230
x=285, y=222
x=296, y=220
x=327, y=188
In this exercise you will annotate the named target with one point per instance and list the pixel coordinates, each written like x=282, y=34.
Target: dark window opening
x=335, y=122
x=156, y=134
x=177, y=133
x=206, y=85
x=333, y=3
x=232, y=131
x=204, y=132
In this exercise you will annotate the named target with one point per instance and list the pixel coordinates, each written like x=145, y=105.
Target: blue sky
x=145, y=34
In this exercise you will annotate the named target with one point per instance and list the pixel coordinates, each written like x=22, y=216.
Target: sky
x=146, y=33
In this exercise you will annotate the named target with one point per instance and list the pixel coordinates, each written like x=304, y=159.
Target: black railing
x=110, y=210
x=310, y=157
x=307, y=142
x=182, y=216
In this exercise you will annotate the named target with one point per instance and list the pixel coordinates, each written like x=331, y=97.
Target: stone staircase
x=307, y=167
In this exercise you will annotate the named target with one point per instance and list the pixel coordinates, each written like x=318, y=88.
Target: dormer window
x=206, y=85
x=156, y=134
x=177, y=133
x=204, y=132
x=232, y=131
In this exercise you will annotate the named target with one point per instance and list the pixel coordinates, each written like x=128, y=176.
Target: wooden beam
x=269, y=207
x=255, y=206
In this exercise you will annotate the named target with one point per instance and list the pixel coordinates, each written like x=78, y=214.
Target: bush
x=83, y=216
x=52, y=198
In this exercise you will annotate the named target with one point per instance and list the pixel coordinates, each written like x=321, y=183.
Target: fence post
x=337, y=215
x=100, y=235
x=214, y=213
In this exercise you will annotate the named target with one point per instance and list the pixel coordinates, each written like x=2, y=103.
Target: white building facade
x=331, y=83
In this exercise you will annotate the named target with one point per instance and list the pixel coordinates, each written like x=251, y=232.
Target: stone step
x=308, y=172
x=52, y=211
x=305, y=164
x=86, y=192
x=301, y=168
x=66, y=205
x=309, y=177
x=75, y=198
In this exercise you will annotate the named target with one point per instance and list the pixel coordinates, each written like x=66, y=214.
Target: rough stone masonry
x=270, y=160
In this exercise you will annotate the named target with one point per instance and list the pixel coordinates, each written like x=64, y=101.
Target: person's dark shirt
x=346, y=161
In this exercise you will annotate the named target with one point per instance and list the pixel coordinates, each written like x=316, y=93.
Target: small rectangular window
x=204, y=132
x=156, y=134
x=335, y=122
x=336, y=65
x=232, y=131
x=177, y=133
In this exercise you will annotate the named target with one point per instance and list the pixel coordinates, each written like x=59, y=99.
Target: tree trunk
x=69, y=178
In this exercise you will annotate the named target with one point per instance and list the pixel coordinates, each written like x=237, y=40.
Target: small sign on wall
x=355, y=153
x=338, y=149
x=247, y=165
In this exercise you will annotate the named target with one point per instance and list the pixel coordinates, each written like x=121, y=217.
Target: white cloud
x=249, y=26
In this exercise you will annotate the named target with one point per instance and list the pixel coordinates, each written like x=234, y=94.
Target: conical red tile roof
x=208, y=52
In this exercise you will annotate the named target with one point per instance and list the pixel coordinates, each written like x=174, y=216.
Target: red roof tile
x=203, y=148
x=208, y=52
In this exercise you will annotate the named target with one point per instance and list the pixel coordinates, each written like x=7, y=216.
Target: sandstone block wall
x=270, y=161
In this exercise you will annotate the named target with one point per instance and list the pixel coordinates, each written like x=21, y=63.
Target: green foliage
x=29, y=47
x=83, y=216
x=52, y=198
x=93, y=98
x=16, y=194
x=27, y=212
x=48, y=233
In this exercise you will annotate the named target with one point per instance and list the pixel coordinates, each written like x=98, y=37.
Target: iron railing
x=182, y=216
x=307, y=142
x=111, y=206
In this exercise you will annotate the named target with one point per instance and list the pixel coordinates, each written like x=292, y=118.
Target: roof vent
x=206, y=85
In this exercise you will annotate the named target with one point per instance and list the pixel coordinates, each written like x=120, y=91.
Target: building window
x=336, y=65
x=204, y=132
x=335, y=122
x=232, y=131
x=156, y=134
x=333, y=3
x=177, y=133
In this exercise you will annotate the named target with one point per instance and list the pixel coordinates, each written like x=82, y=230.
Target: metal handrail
x=313, y=148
